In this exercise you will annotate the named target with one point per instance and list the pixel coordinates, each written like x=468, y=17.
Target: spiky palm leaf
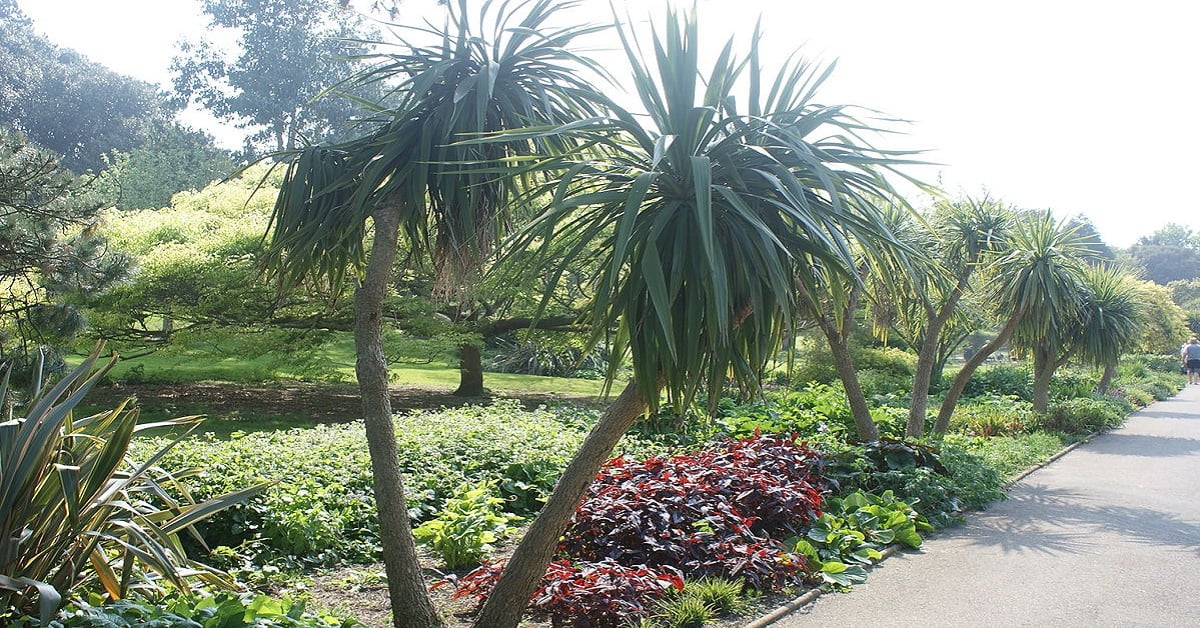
x=75, y=509
x=417, y=161
x=702, y=215
x=1110, y=315
x=1038, y=278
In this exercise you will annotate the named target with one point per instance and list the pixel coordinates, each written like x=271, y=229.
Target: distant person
x=1190, y=355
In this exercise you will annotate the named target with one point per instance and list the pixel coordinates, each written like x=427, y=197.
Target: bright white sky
x=1083, y=107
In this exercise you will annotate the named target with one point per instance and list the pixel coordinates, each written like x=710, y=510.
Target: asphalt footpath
x=1107, y=535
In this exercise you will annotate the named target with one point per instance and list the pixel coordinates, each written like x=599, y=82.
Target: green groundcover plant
x=319, y=509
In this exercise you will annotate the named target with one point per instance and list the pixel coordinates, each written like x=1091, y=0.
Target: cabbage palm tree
x=831, y=301
x=1098, y=331
x=1036, y=285
x=702, y=215
x=961, y=236
x=414, y=180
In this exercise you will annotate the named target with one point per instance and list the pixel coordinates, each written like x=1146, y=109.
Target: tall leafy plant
x=75, y=510
x=700, y=214
x=416, y=182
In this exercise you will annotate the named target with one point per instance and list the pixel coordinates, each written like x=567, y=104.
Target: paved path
x=1108, y=535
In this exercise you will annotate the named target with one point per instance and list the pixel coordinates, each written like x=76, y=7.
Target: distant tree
x=1164, y=264
x=172, y=159
x=78, y=109
x=1172, y=234
x=1164, y=322
x=49, y=249
x=1186, y=294
x=1088, y=233
x=287, y=54
x=1170, y=254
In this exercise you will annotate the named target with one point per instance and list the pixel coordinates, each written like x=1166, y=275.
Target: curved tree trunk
x=525, y=569
x=964, y=375
x=863, y=423
x=1110, y=372
x=922, y=379
x=470, y=371
x=411, y=606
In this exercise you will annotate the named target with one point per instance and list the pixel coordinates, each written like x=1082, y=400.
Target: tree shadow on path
x=1051, y=521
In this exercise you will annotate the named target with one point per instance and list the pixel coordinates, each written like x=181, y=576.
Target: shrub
x=225, y=609
x=938, y=486
x=602, y=594
x=1071, y=384
x=1002, y=379
x=715, y=513
x=852, y=530
x=722, y=595
x=1081, y=416
x=1010, y=455
x=993, y=415
x=684, y=611
x=1136, y=366
x=890, y=367
x=543, y=354
x=76, y=511
x=817, y=409
x=321, y=508
x=875, y=383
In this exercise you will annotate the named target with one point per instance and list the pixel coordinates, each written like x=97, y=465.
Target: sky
x=1086, y=108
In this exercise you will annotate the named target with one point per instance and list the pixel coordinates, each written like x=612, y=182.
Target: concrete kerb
x=809, y=596
x=813, y=594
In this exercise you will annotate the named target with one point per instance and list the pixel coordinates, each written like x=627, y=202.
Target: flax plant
x=75, y=511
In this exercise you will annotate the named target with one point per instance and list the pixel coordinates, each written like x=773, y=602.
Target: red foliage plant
x=585, y=595
x=720, y=512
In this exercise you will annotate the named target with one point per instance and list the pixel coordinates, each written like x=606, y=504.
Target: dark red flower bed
x=721, y=512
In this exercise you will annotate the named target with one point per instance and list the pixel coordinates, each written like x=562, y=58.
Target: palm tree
x=703, y=215
x=831, y=302
x=961, y=234
x=1035, y=279
x=1098, y=331
x=414, y=175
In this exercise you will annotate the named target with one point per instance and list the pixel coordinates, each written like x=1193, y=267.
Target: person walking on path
x=1107, y=535
x=1190, y=355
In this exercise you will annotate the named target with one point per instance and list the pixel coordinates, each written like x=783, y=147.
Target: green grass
x=221, y=362
x=227, y=361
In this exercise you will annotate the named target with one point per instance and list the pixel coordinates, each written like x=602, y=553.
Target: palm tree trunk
x=525, y=569
x=411, y=606
x=964, y=375
x=927, y=360
x=922, y=379
x=1043, y=370
x=863, y=423
x=470, y=371
x=1110, y=372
